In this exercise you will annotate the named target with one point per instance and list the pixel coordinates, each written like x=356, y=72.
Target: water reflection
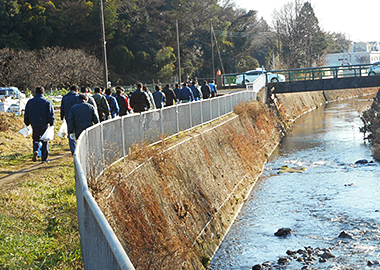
x=331, y=195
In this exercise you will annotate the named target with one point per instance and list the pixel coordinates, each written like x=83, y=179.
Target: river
x=330, y=194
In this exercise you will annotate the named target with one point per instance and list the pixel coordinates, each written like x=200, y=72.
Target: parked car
x=374, y=69
x=10, y=92
x=252, y=75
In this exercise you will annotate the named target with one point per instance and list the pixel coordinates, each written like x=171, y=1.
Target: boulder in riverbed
x=345, y=235
x=283, y=232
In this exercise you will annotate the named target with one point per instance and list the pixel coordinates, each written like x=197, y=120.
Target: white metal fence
x=108, y=142
x=257, y=84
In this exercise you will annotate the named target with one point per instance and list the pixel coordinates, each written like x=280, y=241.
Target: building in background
x=360, y=53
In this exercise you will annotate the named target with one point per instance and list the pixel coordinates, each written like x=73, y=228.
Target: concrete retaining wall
x=171, y=205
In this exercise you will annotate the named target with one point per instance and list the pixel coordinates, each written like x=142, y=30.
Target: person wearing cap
x=81, y=116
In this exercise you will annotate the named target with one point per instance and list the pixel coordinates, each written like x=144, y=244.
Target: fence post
x=191, y=116
x=219, y=108
x=201, y=102
x=161, y=123
x=141, y=127
x=177, y=118
x=123, y=138
x=225, y=104
x=232, y=102
x=210, y=109
x=102, y=135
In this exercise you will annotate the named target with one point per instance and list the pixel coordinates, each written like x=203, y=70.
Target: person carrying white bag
x=63, y=130
x=39, y=113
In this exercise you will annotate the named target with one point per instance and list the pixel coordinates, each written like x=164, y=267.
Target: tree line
x=58, y=42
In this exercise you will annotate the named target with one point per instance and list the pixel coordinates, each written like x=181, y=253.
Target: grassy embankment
x=38, y=221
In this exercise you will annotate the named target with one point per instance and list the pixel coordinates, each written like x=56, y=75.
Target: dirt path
x=10, y=178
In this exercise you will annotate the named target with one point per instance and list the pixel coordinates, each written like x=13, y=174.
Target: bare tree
x=49, y=67
x=301, y=41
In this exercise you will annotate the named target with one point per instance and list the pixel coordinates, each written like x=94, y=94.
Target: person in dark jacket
x=114, y=106
x=87, y=92
x=122, y=101
x=101, y=103
x=196, y=91
x=176, y=91
x=140, y=100
x=206, y=90
x=185, y=94
x=81, y=116
x=69, y=100
x=39, y=113
x=171, y=97
x=159, y=97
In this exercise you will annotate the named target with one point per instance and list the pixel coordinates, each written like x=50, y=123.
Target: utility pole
x=212, y=51
x=217, y=47
x=105, y=69
x=179, y=54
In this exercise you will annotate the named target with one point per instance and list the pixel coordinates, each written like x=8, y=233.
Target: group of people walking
x=81, y=110
x=143, y=100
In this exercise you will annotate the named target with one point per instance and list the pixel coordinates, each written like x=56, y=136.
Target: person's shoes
x=35, y=153
x=45, y=161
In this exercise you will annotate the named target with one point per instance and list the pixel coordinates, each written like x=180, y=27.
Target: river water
x=329, y=194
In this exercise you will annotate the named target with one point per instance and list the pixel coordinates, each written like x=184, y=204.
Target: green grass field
x=38, y=220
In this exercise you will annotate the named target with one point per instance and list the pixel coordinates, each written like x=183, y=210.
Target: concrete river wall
x=171, y=205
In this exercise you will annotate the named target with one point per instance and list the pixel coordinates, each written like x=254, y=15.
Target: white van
x=10, y=92
x=252, y=75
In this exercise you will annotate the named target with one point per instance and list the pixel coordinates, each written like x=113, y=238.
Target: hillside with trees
x=59, y=41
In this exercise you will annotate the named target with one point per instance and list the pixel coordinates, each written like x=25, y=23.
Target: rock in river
x=283, y=232
x=343, y=234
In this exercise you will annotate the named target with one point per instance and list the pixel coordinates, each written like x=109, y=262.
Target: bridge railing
x=315, y=73
x=101, y=145
x=318, y=73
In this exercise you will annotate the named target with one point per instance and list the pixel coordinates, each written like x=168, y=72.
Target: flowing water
x=329, y=194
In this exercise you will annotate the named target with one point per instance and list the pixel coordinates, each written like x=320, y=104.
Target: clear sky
x=360, y=20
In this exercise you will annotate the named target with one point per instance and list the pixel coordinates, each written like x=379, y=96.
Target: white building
x=360, y=53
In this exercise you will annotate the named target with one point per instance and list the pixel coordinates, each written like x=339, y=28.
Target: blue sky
x=360, y=20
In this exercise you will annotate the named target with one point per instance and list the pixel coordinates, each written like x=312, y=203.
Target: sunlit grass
x=38, y=219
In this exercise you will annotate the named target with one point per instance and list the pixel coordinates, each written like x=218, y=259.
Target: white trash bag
x=63, y=130
x=48, y=135
x=26, y=131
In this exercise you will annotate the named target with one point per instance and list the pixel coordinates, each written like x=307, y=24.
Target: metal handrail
x=313, y=73
x=100, y=245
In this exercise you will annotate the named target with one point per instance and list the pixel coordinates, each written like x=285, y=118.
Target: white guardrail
x=109, y=142
x=256, y=85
